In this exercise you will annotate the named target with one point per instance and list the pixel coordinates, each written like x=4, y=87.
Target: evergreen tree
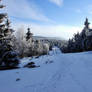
x=7, y=55
x=81, y=41
x=28, y=34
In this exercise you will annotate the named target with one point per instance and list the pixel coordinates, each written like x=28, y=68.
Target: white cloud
x=62, y=31
x=65, y=32
x=57, y=2
x=24, y=9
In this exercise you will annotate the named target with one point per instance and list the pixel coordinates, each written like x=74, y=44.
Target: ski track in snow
x=68, y=73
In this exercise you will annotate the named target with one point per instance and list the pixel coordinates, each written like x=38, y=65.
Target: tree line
x=80, y=42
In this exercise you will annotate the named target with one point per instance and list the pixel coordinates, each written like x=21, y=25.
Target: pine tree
x=28, y=34
x=7, y=55
x=82, y=41
x=2, y=28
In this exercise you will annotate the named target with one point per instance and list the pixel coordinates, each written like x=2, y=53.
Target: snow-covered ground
x=57, y=73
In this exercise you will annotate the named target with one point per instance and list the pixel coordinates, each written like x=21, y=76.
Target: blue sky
x=55, y=18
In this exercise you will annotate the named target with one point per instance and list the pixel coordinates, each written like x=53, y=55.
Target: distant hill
x=49, y=38
x=52, y=40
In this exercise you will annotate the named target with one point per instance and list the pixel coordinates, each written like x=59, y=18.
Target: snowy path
x=67, y=73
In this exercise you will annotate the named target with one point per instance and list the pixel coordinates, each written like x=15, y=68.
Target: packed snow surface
x=57, y=73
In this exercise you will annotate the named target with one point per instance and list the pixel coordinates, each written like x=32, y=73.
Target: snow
x=66, y=73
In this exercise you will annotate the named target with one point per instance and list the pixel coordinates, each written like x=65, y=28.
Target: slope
x=57, y=73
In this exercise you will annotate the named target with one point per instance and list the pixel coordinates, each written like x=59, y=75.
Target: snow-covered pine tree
x=8, y=57
x=81, y=41
x=2, y=28
x=30, y=43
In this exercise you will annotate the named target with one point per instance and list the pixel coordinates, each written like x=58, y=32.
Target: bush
x=10, y=59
